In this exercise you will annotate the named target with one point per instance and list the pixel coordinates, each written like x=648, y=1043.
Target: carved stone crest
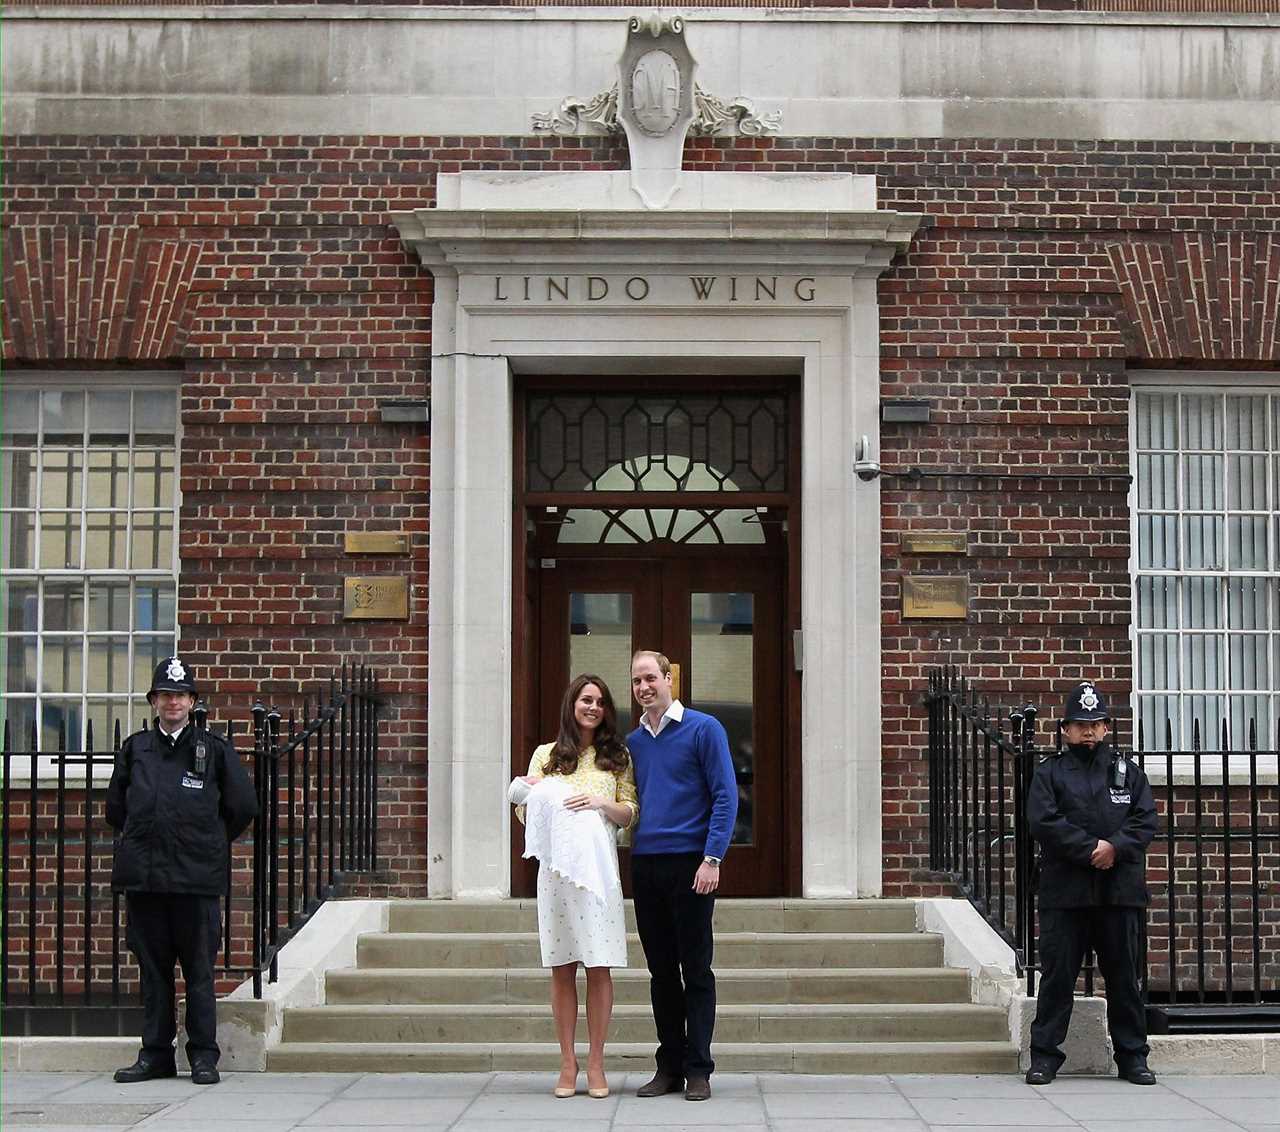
x=656, y=102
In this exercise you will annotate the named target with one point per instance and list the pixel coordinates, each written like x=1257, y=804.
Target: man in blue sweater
x=688, y=803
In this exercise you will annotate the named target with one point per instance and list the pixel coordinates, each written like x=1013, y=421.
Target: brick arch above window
x=96, y=294
x=1201, y=296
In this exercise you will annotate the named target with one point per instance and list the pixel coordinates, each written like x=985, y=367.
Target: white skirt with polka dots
x=576, y=927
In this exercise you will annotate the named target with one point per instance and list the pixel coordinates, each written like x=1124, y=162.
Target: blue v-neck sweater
x=688, y=791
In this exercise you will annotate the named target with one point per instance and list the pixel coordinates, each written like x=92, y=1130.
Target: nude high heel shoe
x=562, y=1092
x=598, y=1093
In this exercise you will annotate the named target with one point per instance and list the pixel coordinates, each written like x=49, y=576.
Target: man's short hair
x=664, y=665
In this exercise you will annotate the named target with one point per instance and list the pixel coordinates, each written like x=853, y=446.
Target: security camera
x=864, y=467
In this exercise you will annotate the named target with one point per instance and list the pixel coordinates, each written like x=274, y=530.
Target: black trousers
x=1065, y=935
x=674, y=923
x=165, y=928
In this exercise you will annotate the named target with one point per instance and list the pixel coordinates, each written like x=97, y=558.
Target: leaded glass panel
x=647, y=442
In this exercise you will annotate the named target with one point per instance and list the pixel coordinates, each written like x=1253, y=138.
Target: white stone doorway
x=619, y=294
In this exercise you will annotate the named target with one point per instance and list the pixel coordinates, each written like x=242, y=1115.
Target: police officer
x=178, y=798
x=1090, y=809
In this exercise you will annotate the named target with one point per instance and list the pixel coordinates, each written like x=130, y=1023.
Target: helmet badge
x=175, y=671
x=1088, y=697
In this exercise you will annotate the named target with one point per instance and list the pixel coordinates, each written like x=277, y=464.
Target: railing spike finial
x=1226, y=735
x=117, y=740
x=1195, y=735
x=1141, y=735
x=88, y=736
x=1253, y=733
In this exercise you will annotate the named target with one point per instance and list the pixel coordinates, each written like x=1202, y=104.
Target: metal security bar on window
x=625, y=442
x=1206, y=537
x=88, y=520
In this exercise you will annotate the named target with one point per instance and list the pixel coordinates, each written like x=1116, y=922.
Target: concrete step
x=859, y=916
x=731, y=1057
x=738, y=949
x=455, y=1024
x=529, y=985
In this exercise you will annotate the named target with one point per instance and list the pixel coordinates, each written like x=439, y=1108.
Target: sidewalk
x=520, y=1102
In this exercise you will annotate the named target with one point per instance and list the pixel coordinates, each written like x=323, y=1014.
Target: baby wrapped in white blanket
x=580, y=845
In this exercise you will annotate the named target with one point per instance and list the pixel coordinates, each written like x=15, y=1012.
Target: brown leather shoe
x=661, y=1084
x=697, y=1089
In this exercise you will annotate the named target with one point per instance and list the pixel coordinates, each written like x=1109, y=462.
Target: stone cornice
x=450, y=236
x=454, y=14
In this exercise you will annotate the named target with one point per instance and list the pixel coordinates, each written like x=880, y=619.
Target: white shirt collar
x=170, y=735
x=674, y=713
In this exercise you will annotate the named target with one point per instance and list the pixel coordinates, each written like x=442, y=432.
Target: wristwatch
x=714, y=862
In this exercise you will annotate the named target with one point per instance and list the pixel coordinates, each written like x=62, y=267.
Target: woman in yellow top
x=576, y=925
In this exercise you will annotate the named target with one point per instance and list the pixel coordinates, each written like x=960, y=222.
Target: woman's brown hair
x=611, y=750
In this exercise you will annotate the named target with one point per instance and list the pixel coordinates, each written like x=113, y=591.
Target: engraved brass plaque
x=378, y=597
x=376, y=542
x=935, y=596
x=935, y=542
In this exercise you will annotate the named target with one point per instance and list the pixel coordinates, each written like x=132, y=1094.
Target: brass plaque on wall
x=376, y=597
x=932, y=595
x=935, y=542
x=376, y=542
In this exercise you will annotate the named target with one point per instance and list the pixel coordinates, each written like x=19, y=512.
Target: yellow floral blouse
x=588, y=779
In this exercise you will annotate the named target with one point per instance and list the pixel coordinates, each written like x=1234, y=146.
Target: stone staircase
x=803, y=987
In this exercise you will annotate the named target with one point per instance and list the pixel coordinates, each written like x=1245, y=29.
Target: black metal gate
x=1210, y=957
x=64, y=965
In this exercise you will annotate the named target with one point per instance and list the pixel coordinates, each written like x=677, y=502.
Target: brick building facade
x=259, y=275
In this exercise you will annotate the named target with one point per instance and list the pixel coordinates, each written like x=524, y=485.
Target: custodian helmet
x=172, y=675
x=1084, y=705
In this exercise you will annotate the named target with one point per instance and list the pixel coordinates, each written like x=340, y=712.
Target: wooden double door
x=719, y=617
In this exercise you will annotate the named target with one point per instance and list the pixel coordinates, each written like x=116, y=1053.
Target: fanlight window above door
x=625, y=442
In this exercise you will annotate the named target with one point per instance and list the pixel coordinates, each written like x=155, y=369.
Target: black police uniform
x=177, y=803
x=1077, y=798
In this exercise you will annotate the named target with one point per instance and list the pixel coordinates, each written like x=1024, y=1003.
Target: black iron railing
x=62, y=932
x=1211, y=959
x=980, y=762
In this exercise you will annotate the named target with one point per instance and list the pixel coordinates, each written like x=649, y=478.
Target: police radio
x=1119, y=772
x=202, y=757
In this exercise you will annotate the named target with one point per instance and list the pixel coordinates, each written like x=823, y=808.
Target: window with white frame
x=88, y=550
x=1206, y=559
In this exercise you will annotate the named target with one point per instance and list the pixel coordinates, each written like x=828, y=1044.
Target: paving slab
x=992, y=1088
x=810, y=1124
x=579, y=1124
x=1135, y=1103
x=746, y=1102
x=1209, y=1124
x=1234, y=1087
x=86, y=1115
x=675, y=1112
x=820, y=1083
x=372, y=1112
x=104, y=1090
x=390, y=1085
x=1254, y=1111
x=227, y=1107
x=838, y=1106
x=1030, y=1112
x=541, y=1105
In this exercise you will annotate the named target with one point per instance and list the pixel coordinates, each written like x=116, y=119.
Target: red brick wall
x=1028, y=290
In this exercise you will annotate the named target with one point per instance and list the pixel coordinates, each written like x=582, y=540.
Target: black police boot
x=1041, y=1073
x=205, y=1072
x=146, y=1069
x=1137, y=1073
